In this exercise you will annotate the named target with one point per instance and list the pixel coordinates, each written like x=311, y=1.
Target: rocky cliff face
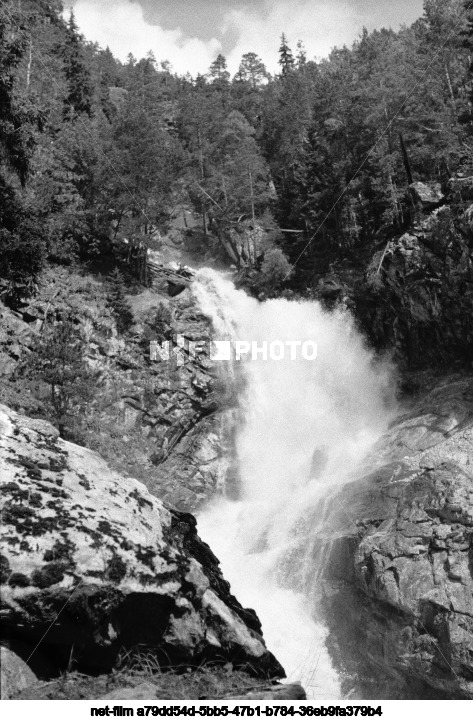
x=398, y=584
x=157, y=422
x=92, y=564
x=414, y=295
x=419, y=291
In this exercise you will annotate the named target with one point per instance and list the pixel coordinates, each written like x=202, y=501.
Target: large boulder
x=92, y=564
x=14, y=673
x=428, y=195
x=398, y=582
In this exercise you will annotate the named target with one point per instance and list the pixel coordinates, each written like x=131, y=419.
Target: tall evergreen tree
x=21, y=243
x=79, y=93
x=218, y=69
x=286, y=58
x=15, y=121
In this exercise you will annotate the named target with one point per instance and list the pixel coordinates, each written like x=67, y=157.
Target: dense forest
x=302, y=180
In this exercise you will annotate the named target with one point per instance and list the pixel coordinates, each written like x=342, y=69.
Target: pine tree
x=218, y=70
x=237, y=180
x=21, y=242
x=118, y=303
x=252, y=70
x=15, y=122
x=286, y=58
x=79, y=95
x=57, y=359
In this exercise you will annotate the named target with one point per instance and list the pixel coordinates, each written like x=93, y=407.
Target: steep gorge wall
x=398, y=585
x=159, y=422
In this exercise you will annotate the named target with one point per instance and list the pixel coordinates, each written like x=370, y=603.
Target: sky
x=191, y=33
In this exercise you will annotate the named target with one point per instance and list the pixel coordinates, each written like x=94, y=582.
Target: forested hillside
x=305, y=181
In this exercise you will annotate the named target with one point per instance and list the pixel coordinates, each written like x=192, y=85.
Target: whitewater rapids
x=302, y=429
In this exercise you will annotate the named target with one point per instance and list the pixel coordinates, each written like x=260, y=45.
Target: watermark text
x=180, y=349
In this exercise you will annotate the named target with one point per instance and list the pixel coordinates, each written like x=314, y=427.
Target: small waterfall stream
x=304, y=426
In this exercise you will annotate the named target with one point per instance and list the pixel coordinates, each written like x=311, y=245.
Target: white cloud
x=120, y=24
x=320, y=24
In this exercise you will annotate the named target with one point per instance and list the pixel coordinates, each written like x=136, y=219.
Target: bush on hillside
x=22, y=254
x=57, y=360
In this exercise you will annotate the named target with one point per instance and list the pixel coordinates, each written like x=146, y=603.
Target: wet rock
x=197, y=465
x=399, y=584
x=329, y=288
x=104, y=565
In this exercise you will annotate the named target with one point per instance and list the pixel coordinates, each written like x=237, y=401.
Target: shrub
x=57, y=360
x=22, y=254
x=270, y=280
x=157, y=326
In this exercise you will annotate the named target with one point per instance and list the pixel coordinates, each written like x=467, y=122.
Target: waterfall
x=303, y=428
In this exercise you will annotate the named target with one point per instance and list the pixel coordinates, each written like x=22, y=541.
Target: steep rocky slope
x=92, y=564
x=414, y=295
x=152, y=420
x=398, y=584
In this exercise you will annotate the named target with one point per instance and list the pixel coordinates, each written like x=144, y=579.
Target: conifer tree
x=119, y=304
x=15, y=141
x=286, y=58
x=218, y=70
x=21, y=243
x=252, y=70
x=79, y=95
x=57, y=359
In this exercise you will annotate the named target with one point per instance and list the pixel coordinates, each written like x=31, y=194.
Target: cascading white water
x=304, y=427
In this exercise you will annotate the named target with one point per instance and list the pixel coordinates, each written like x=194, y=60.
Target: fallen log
x=178, y=277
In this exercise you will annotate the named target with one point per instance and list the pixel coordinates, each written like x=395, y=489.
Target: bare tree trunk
x=224, y=193
x=396, y=206
x=405, y=158
x=202, y=177
x=28, y=69
x=390, y=140
x=119, y=221
x=449, y=83
x=252, y=197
